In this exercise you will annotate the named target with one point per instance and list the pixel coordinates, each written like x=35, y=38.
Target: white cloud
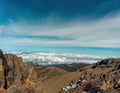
x=104, y=33
x=1, y=28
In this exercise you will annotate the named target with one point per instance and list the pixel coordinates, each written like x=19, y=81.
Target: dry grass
x=54, y=85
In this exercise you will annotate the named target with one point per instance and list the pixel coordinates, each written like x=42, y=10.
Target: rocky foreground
x=19, y=77
x=101, y=77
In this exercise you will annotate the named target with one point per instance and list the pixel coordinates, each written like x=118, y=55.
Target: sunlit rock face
x=101, y=77
x=15, y=77
x=19, y=77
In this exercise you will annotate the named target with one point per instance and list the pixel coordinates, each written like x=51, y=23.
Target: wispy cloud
x=102, y=33
x=1, y=28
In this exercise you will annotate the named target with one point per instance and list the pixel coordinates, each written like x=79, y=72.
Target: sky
x=34, y=23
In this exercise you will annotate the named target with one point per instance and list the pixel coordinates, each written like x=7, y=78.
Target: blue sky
x=34, y=23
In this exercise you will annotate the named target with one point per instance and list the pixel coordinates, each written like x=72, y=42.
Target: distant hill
x=70, y=67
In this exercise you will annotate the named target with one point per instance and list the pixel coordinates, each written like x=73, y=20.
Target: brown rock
x=103, y=77
x=15, y=78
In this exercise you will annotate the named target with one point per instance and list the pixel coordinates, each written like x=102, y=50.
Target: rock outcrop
x=101, y=77
x=19, y=77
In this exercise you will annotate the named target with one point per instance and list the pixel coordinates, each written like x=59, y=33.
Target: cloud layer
x=103, y=33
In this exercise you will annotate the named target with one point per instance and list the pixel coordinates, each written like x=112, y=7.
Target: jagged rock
x=3, y=71
x=2, y=76
x=19, y=77
x=118, y=67
x=15, y=65
x=101, y=77
x=107, y=63
x=12, y=77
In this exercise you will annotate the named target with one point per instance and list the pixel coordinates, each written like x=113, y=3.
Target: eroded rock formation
x=19, y=77
x=101, y=77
